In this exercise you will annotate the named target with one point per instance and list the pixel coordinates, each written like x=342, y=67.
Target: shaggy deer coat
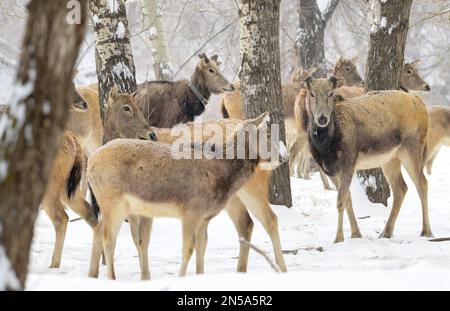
x=380, y=129
x=143, y=179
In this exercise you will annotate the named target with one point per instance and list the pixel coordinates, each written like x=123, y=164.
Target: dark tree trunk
x=114, y=57
x=384, y=65
x=260, y=77
x=31, y=129
x=311, y=35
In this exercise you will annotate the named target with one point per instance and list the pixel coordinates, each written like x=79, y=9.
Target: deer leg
x=325, y=180
x=111, y=227
x=393, y=173
x=201, y=239
x=59, y=219
x=96, y=251
x=263, y=212
x=140, y=231
x=413, y=163
x=356, y=234
x=190, y=225
x=306, y=165
x=244, y=226
x=343, y=184
x=429, y=163
x=80, y=206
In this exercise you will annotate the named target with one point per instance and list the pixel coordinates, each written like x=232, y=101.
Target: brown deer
x=347, y=74
x=63, y=190
x=120, y=188
x=231, y=104
x=349, y=86
x=439, y=134
x=380, y=129
x=166, y=103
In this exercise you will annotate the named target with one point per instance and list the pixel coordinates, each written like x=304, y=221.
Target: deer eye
x=127, y=109
x=348, y=68
x=312, y=94
x=330, y=94
x=211, y=70
x=409, y=72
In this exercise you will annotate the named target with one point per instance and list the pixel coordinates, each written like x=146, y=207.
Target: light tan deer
x=439, y=134
x=145, y=180
x=380, y=129
x=84, y=119
x=63, y=190
x=254, y=193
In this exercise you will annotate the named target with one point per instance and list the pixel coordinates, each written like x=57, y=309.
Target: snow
x=96, y=19
x=113, y=6
x=383, y=22
x=120, y=31
x=405, y=262
x=122, y=70
x=282, y=150
x=152, y=33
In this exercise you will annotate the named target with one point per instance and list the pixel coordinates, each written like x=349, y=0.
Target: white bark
x=156, y=39
x=114, y=56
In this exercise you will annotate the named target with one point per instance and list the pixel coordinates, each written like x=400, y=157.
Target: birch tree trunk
x=390, y=23
x=260, y=77
x=153, y=23
x=114, y=57
x=311, y=35
x=31, y=129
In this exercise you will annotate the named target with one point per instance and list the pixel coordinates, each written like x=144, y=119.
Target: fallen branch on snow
x=262, y=253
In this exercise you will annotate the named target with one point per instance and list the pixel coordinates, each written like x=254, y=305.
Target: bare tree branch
x=329, y=10
x=261, y=252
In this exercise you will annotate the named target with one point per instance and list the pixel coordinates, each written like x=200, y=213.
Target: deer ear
x=204, y=57
x=215, y=57
x=354, y=60
x=311, y=71
x=113, y=93
x=308, y=82
x=340, y=60
x=415, y=62
x=260, y=120
x=333, y=80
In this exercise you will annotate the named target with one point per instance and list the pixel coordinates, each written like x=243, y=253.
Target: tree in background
x=153, y=23
x=390, y=23
x=311, y=35
x=31, y=129
x=114, y=57
x=260, y=77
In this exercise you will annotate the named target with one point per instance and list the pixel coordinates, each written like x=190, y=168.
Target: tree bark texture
x=390, y=23
x=260, y=77
x=31, y=129
x=153, y=23
x=311, y=35
x=114, y=57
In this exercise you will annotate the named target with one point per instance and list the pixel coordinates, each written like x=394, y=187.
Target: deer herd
x=126, y=161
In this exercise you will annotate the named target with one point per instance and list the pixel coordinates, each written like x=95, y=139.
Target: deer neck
x=322, y=138
x=200, y=86
x=109, y=132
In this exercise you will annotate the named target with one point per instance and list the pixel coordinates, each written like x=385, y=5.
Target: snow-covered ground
x=401, y=263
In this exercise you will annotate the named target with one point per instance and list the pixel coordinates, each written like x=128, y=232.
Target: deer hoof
x=427, y=234
x=356, y=235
